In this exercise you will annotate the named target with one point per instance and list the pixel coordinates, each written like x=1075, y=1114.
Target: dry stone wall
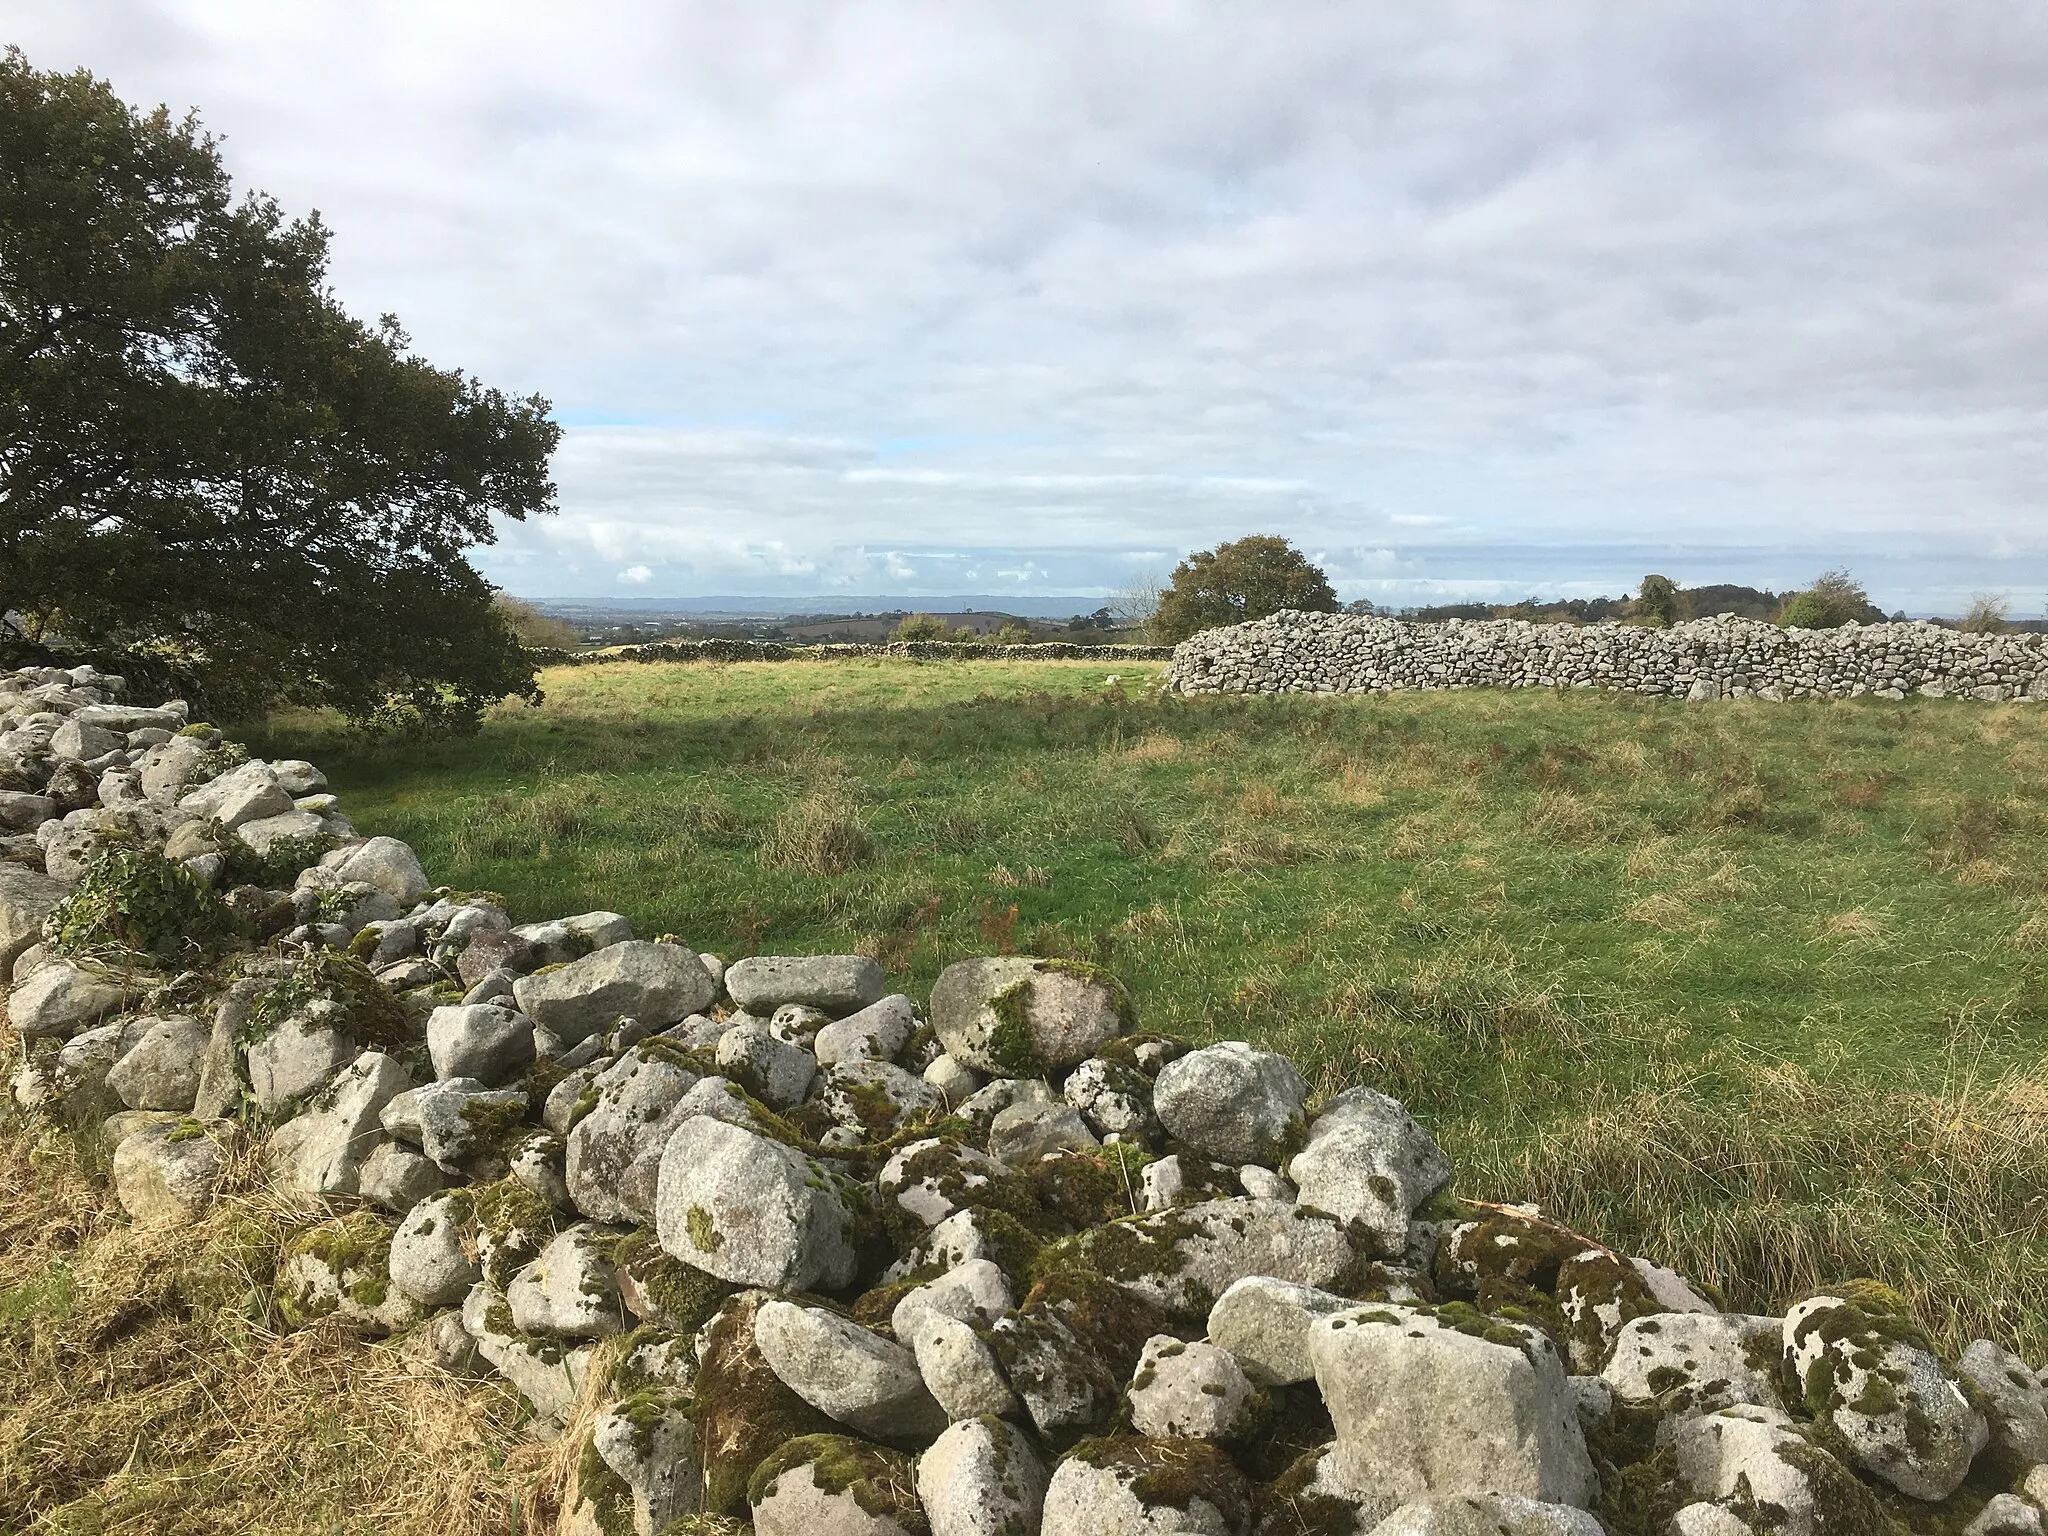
x=913, y=650
x=1704, y=659
x=834, y=1261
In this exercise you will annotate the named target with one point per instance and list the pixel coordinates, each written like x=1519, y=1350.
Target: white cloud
x=638, y=575
x=1069, y=289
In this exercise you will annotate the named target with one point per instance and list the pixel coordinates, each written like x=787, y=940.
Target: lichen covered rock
x=1016, y=1016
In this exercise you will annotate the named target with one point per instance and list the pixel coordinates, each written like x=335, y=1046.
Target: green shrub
x=137, y=900
x=280, y=866
x=921, y=626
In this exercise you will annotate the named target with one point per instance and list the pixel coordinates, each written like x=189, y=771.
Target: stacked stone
x=914, y=650
x=847, y=1266
x=1725, y=657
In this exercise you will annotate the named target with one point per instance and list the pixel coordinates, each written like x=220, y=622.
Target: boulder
x=876, y=1033
x=341, y=1269
x=838, y=984
x=1132, y=1486
x=1422, y=1406
x=483, y=1041
x=1233, y=1103
x=958, y=1366
x=1016, y=1016
x=570, y=1289
x=1182, y=1260
x=1184, y=1179
x=536, y=1164
x=266, y=835
x=649, y=1442
x=1070, y=1349
x=1264, y=1323
x=548, y=1376
x=1894, y=1404
x=466, y=1128
x=847, y=1373
x=298, y=778
x=1022, y=1134
x=752, y=1211
x=955, y=1079
x=160, y=1068
x=656, y=983
x=24, y=812
x=2015, y=1399
x=397, y=1178
x=929, y=1180
x=61, y=997
x=2006, y=1514
x=389, y=865
x=322, y=1151
x=613, y=1161
x=830, y=1485
x=488, y=954
x=981, y=1478
x=26, y=897
x=875, y=1098
x=165, y=1172
x=1687, y=1362
x=298, y=1056
x=1482, y=1514
x=1368, y=1162
x=1753, y=1454
x=1189, y=1391
x=1114, y=1100
x=773, y=1070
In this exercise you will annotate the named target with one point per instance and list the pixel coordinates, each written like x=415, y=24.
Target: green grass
x=1756, y=989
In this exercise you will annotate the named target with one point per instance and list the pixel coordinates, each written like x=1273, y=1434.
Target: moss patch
x=881, y=1482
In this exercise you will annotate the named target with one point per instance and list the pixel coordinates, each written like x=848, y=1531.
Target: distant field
x=1755, y=988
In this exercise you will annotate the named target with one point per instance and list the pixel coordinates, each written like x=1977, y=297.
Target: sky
x=1476, y=299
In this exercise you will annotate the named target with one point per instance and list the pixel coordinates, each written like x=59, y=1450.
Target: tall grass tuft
x=1775, y=1183
x=822, y=834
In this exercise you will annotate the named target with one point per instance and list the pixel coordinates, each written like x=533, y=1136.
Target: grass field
x=1753, y=989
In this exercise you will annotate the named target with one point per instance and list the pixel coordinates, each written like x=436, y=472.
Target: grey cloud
x=1042, y=286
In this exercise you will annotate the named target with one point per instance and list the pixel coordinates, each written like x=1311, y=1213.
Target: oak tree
x=205, y=459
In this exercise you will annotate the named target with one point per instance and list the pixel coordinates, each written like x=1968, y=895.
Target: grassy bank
x=1755, y=989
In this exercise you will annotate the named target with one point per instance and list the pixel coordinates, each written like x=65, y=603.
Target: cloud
x=1068, y=288
x=639, y=575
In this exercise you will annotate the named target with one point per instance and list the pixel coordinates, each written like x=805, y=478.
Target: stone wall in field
x=914, y=650
x=1705, y=659
x=774, y=1241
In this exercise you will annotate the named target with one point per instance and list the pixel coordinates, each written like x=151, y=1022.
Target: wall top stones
x=914, y=650
x=1705, y=659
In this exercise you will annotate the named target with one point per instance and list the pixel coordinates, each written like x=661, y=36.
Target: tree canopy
x=203, y=457
x=1234, y=583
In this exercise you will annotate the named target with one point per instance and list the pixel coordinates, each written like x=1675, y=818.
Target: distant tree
x=1237, y=582
x=1361, y=605
x=1835, y=598
x=203, y=458
x=921, y=626
x=532, y=627
x=1657, y=602
x=1133, y=607
x=1014, y=633
x=1988, y=614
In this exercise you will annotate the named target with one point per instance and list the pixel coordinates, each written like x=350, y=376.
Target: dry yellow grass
x=152, y=1390
x=1858, y=925
x=1154, y=749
